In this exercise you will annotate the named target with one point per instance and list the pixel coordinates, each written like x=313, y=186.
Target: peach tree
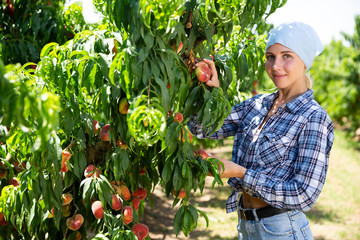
x=101, y=121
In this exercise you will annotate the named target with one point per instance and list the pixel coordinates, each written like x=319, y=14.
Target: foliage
x=133, y=55
x=27, y=26
x=336, y=74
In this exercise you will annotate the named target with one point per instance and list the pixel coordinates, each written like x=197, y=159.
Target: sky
x=327, y=17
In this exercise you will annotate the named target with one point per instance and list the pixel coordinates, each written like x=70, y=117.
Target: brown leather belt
x=263, y=212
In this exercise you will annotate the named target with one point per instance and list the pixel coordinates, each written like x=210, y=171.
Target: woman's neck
x=287, y=95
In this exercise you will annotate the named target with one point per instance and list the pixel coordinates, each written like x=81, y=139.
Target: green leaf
x=205, y=216
x=178, y=220
x=188, y=223
x=185, y=170
x=125, y=162
x=191, y=100
x=167, y=171
x=177, y=179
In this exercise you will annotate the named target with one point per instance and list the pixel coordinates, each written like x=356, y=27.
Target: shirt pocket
x=272, y=149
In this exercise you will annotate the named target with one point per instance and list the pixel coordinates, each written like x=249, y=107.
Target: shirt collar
x=300, y=101
x=295, y=104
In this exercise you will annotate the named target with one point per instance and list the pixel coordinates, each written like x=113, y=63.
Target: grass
x=336, y=214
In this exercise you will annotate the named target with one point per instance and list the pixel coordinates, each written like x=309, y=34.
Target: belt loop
x=240, y=211
x=255, y=214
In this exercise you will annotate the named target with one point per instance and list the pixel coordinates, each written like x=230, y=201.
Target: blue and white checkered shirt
x=287, y=160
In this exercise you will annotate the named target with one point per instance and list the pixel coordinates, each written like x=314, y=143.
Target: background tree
x=106, y=111
x=336, y=74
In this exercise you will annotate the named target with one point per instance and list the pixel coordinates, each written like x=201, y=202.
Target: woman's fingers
x=214, y=80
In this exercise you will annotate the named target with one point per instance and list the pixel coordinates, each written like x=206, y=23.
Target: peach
x=117, y=189
x=140, y=230
x=178, y=117
x=96, y=125
x=3, y=175
x=121, y=144
x=128, y=214
x=142, y=171
x=3, y=171
x=116, y=202
x=254, y=92
x=78, y=235
x=2, y=219
x=136, y=202
x=20, y=166
x=123, y=106
x=64, y=167
x=51, y=213
x=104, y=133
x=65, y=155
x=97, y=209
x=201, y=152
x=181, y=194
x=202, y=72
x=178, y=50
x=66, y=210
x=67, y=198
x=75, y=222
x=90, y=170
x=141, y=193
x=125, y=192
x=14, y=182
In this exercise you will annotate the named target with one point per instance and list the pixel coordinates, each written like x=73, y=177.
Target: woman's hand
x=231, y=169
x=214, y=80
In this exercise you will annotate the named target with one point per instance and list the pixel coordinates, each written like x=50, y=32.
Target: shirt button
x=273, y=139
x=250, y=148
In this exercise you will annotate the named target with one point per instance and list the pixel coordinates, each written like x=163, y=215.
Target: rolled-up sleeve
x=229, y=128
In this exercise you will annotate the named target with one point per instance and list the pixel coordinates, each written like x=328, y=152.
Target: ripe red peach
x=116, y=202
x=140, y=230
x=96, y=125
x=181, y=194
x=125, y=192
x=97, y=209
x=128, y=214
x=91, y=170
x=75, y=222
x=202, y=72
x=201, y=152
x=14, y=182
x=141, y=193
x=2, y=219
x=104, y=133
x=136, y=202
x=67, y=198
x=178, y=117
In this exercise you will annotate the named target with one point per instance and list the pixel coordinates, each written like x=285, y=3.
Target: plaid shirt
x=287, y=160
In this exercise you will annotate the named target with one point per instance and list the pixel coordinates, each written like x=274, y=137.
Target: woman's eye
x=270, y=57
x=287, y=56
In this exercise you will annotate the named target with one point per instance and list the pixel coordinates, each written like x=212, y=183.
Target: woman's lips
x=279, y=76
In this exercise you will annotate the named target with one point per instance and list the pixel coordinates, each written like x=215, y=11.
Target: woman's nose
x=277, y=64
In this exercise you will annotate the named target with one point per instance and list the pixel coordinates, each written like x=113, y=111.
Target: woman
x=282, y=142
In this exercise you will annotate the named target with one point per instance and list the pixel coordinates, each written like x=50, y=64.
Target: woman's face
x=285, y=67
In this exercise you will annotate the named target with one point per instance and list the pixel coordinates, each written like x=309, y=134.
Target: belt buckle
x=242, y=214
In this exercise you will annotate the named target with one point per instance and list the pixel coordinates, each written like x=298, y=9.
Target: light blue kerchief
x=299, y=37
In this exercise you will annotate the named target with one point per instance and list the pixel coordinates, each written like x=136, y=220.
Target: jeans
x=285, y=226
